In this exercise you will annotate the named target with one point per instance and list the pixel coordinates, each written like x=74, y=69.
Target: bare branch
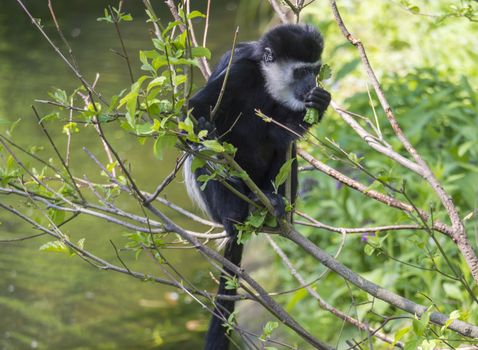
x=347, y=230
x=280, y=12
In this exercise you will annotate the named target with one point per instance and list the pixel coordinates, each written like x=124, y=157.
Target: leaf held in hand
x=311, y=116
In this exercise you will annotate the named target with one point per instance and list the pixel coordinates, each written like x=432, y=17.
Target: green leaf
x=60, y=96
x=57, y=216
x=81, y=243
x=229, y=148
x=50, y=117
x=412, y=344
x=284, y=172
x=429, y=344
x=418, y=327
x=296, y=297
x=106, y=18
x=257, y=218
x=201, y=52
x=55, y=246
x=455, y=315
x=131, y=100
x=465, y=147
x=452, y=291
x=163, y=142
x=197, y=163
x=213, y=145
x=186, y=125
x=126, y=17
x=232, y=283
x=230, y=321
x=144, y=129
x=13, y=127
x=399, y=335
x=325, y=72
x=70, y=128
x=195, y=14
x=170, y=26
x=311, y=116
x=368, y=249
x=268, y=329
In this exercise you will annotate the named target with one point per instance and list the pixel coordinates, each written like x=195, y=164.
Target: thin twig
x=120, y=37
x=226, y=76
x=52, y=143
x=348, y=230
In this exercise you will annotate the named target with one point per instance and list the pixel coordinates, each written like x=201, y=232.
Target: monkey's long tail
x=216, y=337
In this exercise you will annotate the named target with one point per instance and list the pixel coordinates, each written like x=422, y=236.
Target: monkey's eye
x=301, y=72
x=268, y=55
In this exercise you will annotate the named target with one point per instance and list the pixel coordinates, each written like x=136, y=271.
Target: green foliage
x=232, y=283
x=61, y=247
x=115, y=16
x=431, y=87
x=138, y=241
x=55, y=246
x=269, y=327
x=440, y=118
x=252, y=225
x=311, y=116
x=229, y=324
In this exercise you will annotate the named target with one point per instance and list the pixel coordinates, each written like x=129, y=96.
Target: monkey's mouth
x=301, y=95
x=301, y=92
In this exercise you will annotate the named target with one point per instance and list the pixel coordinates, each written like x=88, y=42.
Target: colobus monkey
x=275, y=75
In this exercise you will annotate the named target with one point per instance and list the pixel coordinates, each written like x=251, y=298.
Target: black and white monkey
x=276, y=75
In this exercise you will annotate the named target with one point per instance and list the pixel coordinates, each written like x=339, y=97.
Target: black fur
x=261, y=146
x=294, y=42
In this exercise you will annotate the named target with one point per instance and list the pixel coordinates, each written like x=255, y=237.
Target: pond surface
x=52, y=301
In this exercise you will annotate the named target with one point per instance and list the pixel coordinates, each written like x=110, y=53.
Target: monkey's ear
x=268, y=55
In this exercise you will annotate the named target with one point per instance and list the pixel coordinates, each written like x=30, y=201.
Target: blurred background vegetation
x=425, y=54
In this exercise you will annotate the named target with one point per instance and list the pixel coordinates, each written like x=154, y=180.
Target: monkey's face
x=288, y=81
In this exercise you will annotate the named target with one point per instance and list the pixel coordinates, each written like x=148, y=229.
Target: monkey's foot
x=277, y=202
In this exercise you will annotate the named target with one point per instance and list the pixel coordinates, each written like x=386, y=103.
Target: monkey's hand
x=318, y=99
x=205, y=124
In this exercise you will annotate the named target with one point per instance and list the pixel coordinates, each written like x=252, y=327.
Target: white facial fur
x=279, y=77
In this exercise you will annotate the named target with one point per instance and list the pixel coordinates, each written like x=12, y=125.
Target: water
x=52, y=301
